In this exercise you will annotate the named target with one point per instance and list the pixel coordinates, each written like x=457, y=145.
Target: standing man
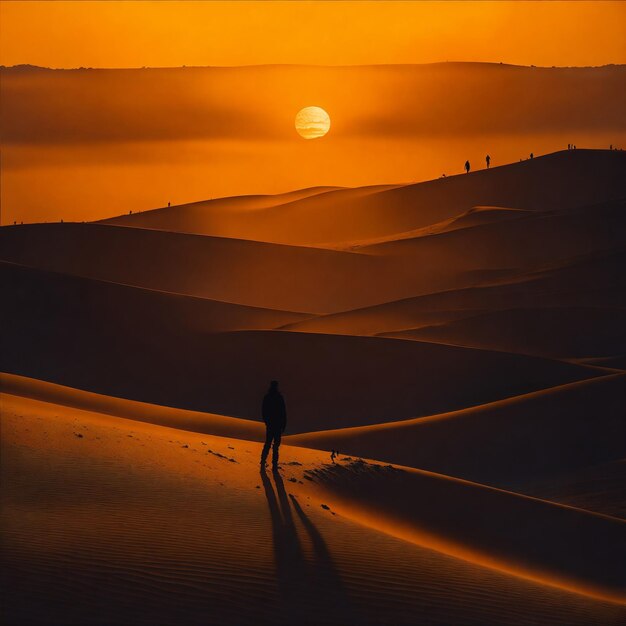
x=467, y=167
x=275, y=418
x=488, y=159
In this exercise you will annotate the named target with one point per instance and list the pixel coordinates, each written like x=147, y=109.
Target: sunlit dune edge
x=193, y=421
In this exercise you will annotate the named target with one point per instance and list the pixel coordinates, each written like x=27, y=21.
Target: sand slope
x=529, y=241
x=193, y=421
x=506, y=443
x=234, y=217
x=151, y=525
x=600, y=487
x=139, y=305
x=595, y=280
x=230, y=270
x=567, y=332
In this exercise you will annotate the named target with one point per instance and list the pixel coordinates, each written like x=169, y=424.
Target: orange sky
x=134, y=34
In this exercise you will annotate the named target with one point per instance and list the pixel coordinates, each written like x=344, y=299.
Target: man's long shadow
x=305, y=587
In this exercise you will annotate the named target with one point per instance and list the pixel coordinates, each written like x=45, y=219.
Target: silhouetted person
x=488, y=159
x=467, y=167
x=275, y=418
x=168, y=204
x=532, y=156
x=333, y=454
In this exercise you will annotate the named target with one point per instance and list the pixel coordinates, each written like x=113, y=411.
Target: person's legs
x=266, y=447
x=275, y=449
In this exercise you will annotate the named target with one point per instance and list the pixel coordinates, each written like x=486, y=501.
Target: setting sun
x=312, y=122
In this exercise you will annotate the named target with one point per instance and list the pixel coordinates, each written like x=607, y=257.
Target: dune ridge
x=563, y=180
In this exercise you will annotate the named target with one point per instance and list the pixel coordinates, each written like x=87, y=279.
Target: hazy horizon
x=85, y=145
x=28, y=65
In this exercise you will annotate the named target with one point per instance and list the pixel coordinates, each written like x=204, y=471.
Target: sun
x=312, y=122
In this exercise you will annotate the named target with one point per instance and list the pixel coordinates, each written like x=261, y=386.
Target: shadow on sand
x=311, y=590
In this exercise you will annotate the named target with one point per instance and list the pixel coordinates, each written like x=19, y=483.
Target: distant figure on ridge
x=467, y=167
x=275, y=417
x=333, y=454
x=532, y=156
x=488, y=159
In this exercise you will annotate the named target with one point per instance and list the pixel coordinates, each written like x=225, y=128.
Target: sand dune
x=528, y=241
x=96, y=344
x=590, y=281
x=533, y=537
x=616, y=362
x=140, y=305
x=475, y=216
x=193, y=421
x=600, y=487
x=231, y=270
x=568, y=332
x=234, y=216
x=563, y=180
x=208, y=216
x=506, y=443
x=151, y=524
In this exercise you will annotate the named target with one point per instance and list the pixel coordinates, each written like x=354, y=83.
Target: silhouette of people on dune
x=488, y=159
x=275, y=417
x=467, y=167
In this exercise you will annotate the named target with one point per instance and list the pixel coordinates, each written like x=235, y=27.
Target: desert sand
x=169, y=526
x=459, y=341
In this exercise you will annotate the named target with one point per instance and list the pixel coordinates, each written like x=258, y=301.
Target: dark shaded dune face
x=242, y=272
x=509, y=444
x=563, y=332
x=616, y=362
x=557, y=181
x=593, y=281
x=81, y=337
x=104, y=300
x=599, y=487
